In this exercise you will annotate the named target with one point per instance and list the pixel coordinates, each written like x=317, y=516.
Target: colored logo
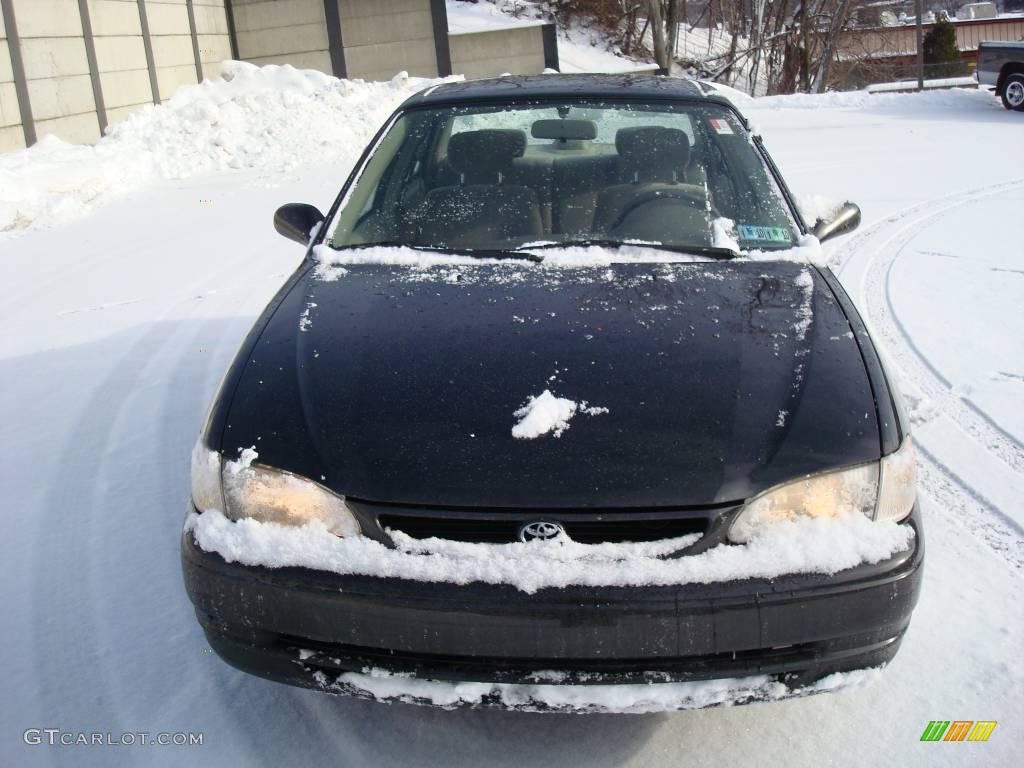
x=958, y=730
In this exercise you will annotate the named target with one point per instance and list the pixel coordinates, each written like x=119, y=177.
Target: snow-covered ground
x=124, y=307
x=464, y=16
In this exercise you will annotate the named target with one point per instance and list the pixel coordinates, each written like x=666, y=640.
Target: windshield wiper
x=479, y=253
x=711, y=251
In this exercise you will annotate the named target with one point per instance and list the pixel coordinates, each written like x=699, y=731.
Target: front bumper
x=307, y=627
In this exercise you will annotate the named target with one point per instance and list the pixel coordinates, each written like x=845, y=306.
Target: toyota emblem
x=541, y=530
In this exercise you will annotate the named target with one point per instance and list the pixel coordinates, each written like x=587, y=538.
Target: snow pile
x=632, y=698
x=548, y=413
x=271, y=118
x=796, y=546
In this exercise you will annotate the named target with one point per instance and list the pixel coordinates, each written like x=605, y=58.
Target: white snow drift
x=798, y=546
x=272, y=119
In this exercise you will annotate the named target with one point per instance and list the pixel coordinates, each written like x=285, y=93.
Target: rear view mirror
x=564, y=130
x=298, y=221
x=845, y=220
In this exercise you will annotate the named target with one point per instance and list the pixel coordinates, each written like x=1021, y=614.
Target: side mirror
x=845, y=220
x=297, y=221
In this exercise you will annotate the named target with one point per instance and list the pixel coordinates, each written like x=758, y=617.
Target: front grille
x=590, y=531
x=586, y=526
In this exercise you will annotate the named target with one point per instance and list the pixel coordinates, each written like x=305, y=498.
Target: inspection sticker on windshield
x=720, y=125
x=764, y=234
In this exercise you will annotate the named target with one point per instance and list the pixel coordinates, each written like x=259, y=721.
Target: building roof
x=643, y=87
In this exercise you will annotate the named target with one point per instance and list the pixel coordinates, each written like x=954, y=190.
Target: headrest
x=653, y=153
x=485, y=152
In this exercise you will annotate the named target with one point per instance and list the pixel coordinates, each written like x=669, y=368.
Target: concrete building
x=73, y=67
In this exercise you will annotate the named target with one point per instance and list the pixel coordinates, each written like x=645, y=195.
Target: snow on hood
x=547, y=413
x=694, y=362
x=272, y=118
x=800, y=546
x=631, y=698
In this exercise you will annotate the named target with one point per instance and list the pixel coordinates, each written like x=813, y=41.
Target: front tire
x=1012, y=92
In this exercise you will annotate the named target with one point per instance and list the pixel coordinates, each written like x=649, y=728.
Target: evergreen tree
x=941, y=55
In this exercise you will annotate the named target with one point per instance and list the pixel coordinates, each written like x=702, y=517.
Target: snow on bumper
x=801, y=546
x=636, y=698
x=348, y=632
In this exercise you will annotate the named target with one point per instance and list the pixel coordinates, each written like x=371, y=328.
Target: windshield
x=500, y=177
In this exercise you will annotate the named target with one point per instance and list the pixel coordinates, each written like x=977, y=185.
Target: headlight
x=898, y=490
x=206, y=488
x=274, y=496
x=881, y=491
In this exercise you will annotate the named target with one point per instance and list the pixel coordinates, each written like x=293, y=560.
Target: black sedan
x=542, y=404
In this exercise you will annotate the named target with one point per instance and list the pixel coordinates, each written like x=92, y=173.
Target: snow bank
x=632, y=698
x=547, y=413
x=465, y=17
x=271, y=118
x=798, y=546
x=583, y=49
x=943, y=100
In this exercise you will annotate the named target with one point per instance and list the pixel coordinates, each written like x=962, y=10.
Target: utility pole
x=920, y=45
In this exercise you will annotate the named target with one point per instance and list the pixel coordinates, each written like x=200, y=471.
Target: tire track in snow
x=933, y=384
x=881, y=244
x=122, y=497
x=957, y=500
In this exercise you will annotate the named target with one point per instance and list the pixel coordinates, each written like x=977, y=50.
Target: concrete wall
x=485, y=54
x=57, y=69
x=87, y=64
x=383, y=37
x=78, y=82
x=120, y=56
x=171, y=38
x=212, y=34
x=282, y=32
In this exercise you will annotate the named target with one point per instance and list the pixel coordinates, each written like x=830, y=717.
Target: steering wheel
x=694, y=199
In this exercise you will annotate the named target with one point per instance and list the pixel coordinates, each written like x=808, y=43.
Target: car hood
x=397, y=384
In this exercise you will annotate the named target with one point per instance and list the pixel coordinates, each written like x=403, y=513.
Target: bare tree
x=658, y=35
x=828, y=44
x=773, y=46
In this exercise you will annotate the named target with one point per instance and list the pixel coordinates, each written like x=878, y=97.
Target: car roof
x=641, y=87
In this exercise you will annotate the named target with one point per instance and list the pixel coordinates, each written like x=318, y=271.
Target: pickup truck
x=1001, y=66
